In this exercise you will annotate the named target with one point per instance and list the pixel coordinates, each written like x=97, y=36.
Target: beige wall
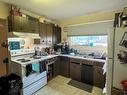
x=99, y=16
x=4, y=10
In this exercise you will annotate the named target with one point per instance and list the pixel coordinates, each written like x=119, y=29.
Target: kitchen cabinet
x=64, y=66
x=56, y=67
x=87, y=74
x=97, y=63
x=59, y=35
x=3, y=48
x=99, y=78
x=49, y=33
x=43, y=32
x=15, y=23
x=92, y=73
x=33, y=25
x=75, y=69
x=23, y=24
x=46, y=33
x=56, y=34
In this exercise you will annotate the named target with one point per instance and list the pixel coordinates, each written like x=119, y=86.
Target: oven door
x=33, y=72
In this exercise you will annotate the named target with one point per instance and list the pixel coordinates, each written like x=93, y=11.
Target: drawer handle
x=75, y=63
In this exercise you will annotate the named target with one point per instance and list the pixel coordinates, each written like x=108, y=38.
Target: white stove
x=31, y=69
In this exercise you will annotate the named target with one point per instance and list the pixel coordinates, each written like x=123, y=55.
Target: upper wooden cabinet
x=43, y=32
x=46, y=33
x=33, y=25
x=49, y=33
x=23, y=24
x=15, y=23
x=56, y=34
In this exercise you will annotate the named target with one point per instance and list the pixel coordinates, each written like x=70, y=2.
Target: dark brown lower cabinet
x=56, y=67
x=75, y=71
x=99, y=78
x=64, y=66
x=87, y=74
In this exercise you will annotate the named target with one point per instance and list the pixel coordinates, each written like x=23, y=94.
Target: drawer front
x=32, y=78
x=35, y=86
x=87, y=62
x=64, y=58
x=100, y=64
x=74, y=60
x=95, y=63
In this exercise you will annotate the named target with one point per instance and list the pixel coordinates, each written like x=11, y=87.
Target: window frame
x=105, y=44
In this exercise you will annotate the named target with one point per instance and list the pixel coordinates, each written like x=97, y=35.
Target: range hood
x=23, y=34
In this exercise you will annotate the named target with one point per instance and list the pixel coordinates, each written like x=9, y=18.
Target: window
x=89, y=40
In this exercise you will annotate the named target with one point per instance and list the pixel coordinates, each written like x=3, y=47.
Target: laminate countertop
x=32, y=60
x=79, y=57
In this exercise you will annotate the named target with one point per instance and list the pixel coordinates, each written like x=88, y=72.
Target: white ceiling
x=62, y=9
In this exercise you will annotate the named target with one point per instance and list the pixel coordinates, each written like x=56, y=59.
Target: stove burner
x=20, y=59
x=23, y=60
x=36, y=57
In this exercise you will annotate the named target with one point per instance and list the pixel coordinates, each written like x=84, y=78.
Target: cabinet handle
x=5, y=60
x=4, y=44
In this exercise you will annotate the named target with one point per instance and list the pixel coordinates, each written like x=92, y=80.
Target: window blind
x=100, y=28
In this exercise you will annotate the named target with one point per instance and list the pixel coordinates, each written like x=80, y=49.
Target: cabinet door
x=24, y=25
x=33, y=25
x=49, y=34
x=87, y=74
x=64, y=66
x=59, y=35
x=3, y=48
x=99, y=78
x=56, y=67
x=16, y=23
x=43, y=32
x=75, y=71
x=56, y=34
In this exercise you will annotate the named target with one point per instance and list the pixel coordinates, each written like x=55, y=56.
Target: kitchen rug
x=81, y=85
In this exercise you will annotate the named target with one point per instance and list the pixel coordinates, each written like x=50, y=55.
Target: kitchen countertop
x=79, y=57
x=51, y=56
x=31, y=59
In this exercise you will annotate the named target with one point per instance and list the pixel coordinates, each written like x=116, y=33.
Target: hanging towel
x=36, y=68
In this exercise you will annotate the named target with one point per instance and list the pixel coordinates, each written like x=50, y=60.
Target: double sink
x=87, y=56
